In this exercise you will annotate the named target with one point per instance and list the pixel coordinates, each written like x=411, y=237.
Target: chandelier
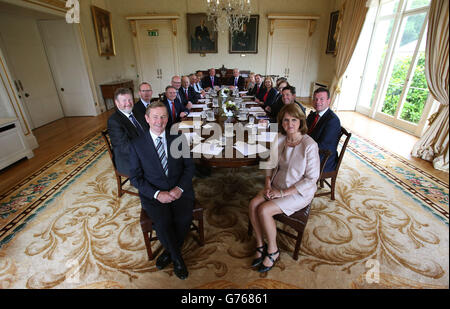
x=228, y=14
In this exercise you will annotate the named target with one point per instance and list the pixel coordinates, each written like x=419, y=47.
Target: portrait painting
x=103, y=31
x=331, y=43
x=201, y=35
x=245, y=41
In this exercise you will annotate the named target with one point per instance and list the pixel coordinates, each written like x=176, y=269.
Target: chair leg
x=333, y=184
x=250, y=228
x=148, y=245
x=201, y=232
x=119, y=186
x=297, y=245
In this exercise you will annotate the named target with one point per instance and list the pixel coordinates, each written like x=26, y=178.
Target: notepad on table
x=195, y=114
x=249, y=149
x=208, y=149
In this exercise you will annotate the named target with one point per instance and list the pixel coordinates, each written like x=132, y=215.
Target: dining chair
x=120, y=183
x=298, y=219
x=333, y=174
x=148, y=228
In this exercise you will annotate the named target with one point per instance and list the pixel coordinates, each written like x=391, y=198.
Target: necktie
x=235, y=81
x=212, y=81
x=174, y=114
x=257, y=89
x=265, y=96
x=136, y=124
x=314, y=123
x=162, y=154
x=187, y=96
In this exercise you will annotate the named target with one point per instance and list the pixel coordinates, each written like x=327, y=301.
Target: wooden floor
x=53, y=139
x=58, y=136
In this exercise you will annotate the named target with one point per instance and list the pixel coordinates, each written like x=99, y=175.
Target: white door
x=156, y=53
x=289, y=52
x=68, y=67
x=28, y=64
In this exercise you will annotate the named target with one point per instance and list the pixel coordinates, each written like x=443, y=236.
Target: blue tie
x=136, y=124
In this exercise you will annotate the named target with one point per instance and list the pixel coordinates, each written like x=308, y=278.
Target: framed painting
x=103, y=31
x=201, y=35
x=245, y=41
x=331, y=43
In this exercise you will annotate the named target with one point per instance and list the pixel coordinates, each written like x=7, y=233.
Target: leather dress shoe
x=180, y=269
x=163, y=260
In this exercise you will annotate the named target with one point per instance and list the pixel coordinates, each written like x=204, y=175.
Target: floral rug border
x=424, y=201
x=27, y=214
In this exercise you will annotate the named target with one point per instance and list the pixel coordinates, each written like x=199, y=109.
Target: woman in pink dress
x=289, y=186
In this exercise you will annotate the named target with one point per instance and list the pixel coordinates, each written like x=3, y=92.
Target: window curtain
x=433, y=146
x=350, y=23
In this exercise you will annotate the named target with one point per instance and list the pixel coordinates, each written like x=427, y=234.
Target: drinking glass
x=210, y=115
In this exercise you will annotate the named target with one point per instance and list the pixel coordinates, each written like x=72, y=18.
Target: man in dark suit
x=210, y=81
x=288, y=96
x=124, y=126
x=164, y=181
x=256, y=88
x=175, y=108
x=145, y=94
x=187, y=93
x=193, y=80
x=203, y=39
x=236, y=81
x=324, y=126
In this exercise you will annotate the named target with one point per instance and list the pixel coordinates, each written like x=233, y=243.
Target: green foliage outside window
x=417, y=94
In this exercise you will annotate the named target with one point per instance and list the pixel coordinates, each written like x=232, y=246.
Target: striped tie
x=162, y=154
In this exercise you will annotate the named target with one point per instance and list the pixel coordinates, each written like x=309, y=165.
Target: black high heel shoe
x=263, y=251
x=263, y=268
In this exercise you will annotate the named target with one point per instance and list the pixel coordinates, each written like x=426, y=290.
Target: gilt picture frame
x=103, y=31
x=246, y=41
x=202, y=38
x=331, y=42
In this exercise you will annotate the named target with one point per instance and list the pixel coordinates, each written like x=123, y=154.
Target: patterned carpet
x=64, y=227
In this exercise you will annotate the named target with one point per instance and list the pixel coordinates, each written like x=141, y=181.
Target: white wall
x=123, y=65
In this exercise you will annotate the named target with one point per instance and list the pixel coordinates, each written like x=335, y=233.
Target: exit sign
x=153, y=33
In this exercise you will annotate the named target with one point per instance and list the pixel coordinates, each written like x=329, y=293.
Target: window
x=393, y=87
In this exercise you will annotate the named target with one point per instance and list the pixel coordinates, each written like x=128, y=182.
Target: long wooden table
x=229, y=156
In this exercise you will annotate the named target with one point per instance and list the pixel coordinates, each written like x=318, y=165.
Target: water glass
x=251, y=120
x=210, y=115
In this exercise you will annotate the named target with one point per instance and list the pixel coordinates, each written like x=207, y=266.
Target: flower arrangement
x=225, y=92
x=228, y=108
